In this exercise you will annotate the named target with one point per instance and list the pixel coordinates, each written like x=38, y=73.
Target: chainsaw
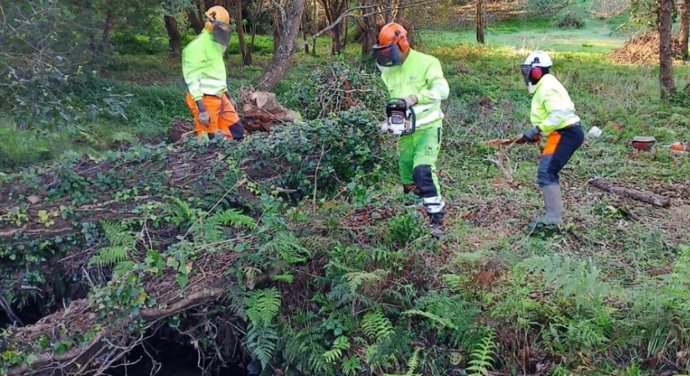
x=402, y=120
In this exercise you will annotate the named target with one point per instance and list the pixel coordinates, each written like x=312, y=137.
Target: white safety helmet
x=538, y=60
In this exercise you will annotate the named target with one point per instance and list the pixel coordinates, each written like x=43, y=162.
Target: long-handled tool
x=505, y=141
x=502, y=161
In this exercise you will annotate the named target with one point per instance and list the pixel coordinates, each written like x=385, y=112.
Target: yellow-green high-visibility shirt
x=203, y=66
x=421, y=75
x=552, y=108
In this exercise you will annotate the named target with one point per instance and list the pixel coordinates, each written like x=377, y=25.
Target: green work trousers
x=418, y=155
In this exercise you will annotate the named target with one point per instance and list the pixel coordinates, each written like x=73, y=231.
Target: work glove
x=410, y=100
x=204, y=118
x=384, y=127
x=532, y=135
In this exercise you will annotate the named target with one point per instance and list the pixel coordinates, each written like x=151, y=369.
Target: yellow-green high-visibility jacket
x=421, y=75
x=203, y=66
x=552, y=108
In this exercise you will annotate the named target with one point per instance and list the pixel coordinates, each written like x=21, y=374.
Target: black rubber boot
x=436, y=224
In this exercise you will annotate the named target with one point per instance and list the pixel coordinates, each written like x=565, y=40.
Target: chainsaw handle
x=413, y=121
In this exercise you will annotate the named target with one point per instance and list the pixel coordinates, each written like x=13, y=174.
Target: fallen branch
x=52, y=360
x=647, y=197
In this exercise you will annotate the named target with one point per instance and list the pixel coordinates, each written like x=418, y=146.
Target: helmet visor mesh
x=387, y=55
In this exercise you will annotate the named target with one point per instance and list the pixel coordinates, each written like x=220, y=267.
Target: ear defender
x=403, y=44
x=536, y=73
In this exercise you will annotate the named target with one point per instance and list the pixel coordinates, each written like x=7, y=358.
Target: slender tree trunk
x=315, y=27
x=388, y=12
x=306, y=24
x=684, y=28
x=346, y=32
x=280, y=63
x=194, y=20
x=335, y=40
x=174, y=38
x=276, y=31
x=107, y=28
x=665, y=25
x=400, y=13
x=244, y=50
x=481, y=21
x=369, y=28
x=252, y=39
x=254, y=20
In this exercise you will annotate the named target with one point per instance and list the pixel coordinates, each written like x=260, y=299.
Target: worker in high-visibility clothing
x=204, y=73
x=418, y=78
x=552, y=116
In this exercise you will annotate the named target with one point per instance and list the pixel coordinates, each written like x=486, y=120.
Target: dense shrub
x=571, y=21
x=333, y=87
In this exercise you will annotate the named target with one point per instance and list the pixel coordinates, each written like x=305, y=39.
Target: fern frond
x=370, y=353
x=482, y=357
x=443, y=322
x=210, y=230
x=412, y=365
x=261, y=342
x=287, y=246
x=351, y=366
x=376, y=326
x=124, y=267
x=108, y=256
x=263, y=306
x=285, y=278
x=118, y=233
x=234, y=217
x=181, y=212
x=357, y=279
x=340, y=344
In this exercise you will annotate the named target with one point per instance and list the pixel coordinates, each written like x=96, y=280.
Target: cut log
x=647, y=197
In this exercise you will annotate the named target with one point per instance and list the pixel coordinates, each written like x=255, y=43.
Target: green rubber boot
x=553, y=205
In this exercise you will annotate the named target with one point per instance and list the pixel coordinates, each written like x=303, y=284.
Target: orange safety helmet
x=218, y=23
x=218, y=13
x=391, y=44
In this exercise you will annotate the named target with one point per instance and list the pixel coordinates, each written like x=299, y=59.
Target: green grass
x=595, y=36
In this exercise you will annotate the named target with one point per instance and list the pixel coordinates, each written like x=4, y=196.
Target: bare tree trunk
x=254, y=20
x=244, y=50
x=369, y=28
x=315, y=26
x=388, y=13
x=107, y=28
x=684, y=28
x=346, y=32
x=400, y=13
x=278, y=66
x=481, y=21
x=336, y=45
x=306, y=24
x=174, y=38
x=276, y=31
x=665, y=24
x=194, y=20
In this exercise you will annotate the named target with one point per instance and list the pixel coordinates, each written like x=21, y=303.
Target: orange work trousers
x=221, y=112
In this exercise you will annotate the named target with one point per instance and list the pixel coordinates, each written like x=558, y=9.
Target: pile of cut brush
x=644, y=49
x=260, y=112
x=52, y=217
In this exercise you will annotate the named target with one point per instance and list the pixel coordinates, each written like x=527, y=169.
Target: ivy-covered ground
x=295, y=253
